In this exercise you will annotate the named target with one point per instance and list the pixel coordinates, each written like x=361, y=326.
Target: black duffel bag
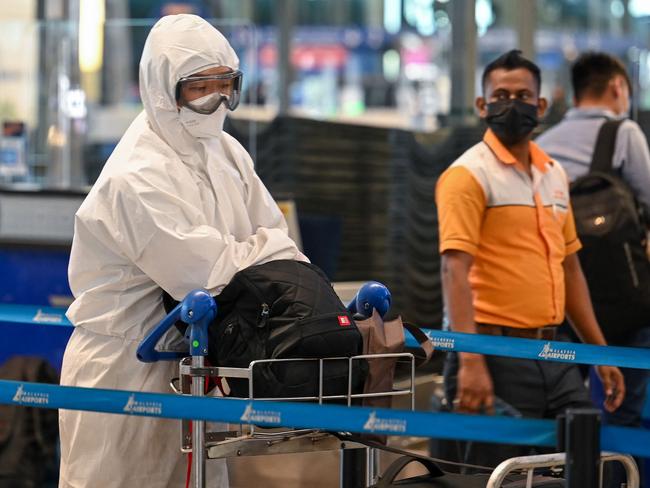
x=281, y=310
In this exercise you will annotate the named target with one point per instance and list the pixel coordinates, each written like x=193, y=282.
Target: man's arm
x=474, y=388
x=583, y=320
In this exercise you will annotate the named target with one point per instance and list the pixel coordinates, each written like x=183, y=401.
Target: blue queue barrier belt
x=29, y=314
x=570, y=352
x=312, y=416
x=346, y=419
x=567, y=352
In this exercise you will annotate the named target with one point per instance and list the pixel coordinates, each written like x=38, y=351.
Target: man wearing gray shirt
x=601, y=90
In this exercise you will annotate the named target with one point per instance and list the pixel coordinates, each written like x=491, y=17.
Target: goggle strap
x=236, y=75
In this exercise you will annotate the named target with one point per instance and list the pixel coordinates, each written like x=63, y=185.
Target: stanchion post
x=353, y=468
x=582, y=445
x=198, y=428
x=198, y=309
x=560, y=429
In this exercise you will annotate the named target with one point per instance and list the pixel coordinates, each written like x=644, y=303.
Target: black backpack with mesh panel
x=611, y=224
x=285, y=309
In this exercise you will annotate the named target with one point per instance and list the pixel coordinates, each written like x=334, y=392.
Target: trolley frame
x=251, y=440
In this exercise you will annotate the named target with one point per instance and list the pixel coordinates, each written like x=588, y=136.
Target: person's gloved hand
x=613, y=386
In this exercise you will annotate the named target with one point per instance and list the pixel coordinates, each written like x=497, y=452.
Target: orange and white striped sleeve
x=571, y=242
x=461, y=203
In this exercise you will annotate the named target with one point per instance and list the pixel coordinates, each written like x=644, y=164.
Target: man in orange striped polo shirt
x=509, y=265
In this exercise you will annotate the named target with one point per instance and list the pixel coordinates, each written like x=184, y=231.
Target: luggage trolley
x=528, y=464
x=198, y=309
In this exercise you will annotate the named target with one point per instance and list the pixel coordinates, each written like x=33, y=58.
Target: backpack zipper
x=630, y=264
x=264, y=316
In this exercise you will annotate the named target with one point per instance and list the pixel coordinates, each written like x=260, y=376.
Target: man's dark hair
x=509, y=61
x=592, y=72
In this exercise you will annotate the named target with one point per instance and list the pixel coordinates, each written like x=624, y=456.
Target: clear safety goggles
x=204, y=94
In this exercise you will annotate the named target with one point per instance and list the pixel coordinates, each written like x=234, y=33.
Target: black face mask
x=511, y=120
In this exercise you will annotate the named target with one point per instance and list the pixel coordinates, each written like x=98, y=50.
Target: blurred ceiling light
x=442, y=19
x=55, y=137
x=74, y=103
x=617, y=9
x=639, y=8
x=391, y=64
x=483, y=15
x=91, y=35
x=393, y=16
x=420, y=13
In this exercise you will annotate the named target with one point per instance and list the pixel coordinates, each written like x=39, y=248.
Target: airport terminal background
x=351, y=111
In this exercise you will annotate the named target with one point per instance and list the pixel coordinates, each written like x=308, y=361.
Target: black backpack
x=279, y=310
x=611, y=225
x=28, y=435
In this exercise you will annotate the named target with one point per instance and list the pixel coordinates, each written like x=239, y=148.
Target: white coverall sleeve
x=170, y=241
x=263, y=210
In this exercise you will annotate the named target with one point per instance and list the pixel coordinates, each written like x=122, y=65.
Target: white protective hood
x=177, y=46
x=169, y=211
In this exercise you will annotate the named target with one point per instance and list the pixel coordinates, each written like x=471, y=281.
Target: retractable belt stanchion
x=198, y=309
x=582, y=446
x=352, y=473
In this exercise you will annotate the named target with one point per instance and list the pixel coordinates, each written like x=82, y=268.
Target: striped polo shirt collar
x=538, y=157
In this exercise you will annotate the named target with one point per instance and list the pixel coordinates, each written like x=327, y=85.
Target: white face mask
x=201, y=126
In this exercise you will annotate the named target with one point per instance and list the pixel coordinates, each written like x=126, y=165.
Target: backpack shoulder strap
x=397, y=466
x=434, y=469
x=601, y=160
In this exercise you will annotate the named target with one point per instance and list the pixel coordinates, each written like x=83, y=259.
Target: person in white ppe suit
x=177, y=206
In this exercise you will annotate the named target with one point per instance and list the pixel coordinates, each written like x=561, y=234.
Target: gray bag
x=381, y=337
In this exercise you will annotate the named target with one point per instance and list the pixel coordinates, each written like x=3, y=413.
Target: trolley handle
x=198, y=309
